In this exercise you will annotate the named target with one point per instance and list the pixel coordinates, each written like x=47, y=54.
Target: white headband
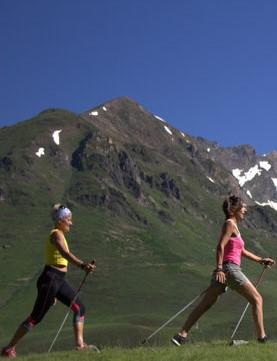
x=62, y=213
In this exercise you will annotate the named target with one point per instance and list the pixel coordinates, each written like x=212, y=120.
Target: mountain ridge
x=146, y=201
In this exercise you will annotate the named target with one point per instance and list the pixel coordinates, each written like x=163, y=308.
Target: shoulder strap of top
x=51, y=233
x=230, y=220
x=65, y=241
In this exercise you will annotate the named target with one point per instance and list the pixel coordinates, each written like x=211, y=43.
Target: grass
x=146, y=271
x=217, y=351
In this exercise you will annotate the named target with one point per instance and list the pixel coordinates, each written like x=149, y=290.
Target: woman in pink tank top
x=230, y=249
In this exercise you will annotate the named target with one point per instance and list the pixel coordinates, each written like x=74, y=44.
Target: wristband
x=83, y=265
x=265, y=262
x=218, y=270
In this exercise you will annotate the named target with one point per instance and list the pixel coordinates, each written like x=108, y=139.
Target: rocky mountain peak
x=121, y=130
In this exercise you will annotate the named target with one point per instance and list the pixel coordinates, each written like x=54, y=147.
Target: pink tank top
x=233, y=249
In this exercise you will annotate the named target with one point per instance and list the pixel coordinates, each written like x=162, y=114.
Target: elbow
x=219, y=249
x=65, y=254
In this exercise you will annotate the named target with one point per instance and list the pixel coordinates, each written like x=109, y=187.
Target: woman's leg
x=19, y=334
x=79, y=333
x=249, y=291
x=66, y=295
x=78, y=322
x=207, y=301
x=45, y=298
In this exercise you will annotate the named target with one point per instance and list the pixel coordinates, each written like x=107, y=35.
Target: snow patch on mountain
x=268, y=203
x=247, y=176
x=93, y=113
x=104, y=108
x=249, y=193
x=40, y=152
x=185, y=137
x=56, y=136
x=211, y=180
x=274, y=180
x=168, y=130
x=265, y=165
x=161, y=119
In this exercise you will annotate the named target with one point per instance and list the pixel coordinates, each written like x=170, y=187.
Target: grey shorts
x=234, y=277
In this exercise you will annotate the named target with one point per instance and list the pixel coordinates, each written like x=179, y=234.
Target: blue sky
x=207, y=67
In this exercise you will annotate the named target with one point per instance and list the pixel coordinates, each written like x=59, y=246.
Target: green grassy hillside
x=145, y=210
x=197, y=352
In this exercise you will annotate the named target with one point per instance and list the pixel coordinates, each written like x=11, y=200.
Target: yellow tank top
x=52, y=255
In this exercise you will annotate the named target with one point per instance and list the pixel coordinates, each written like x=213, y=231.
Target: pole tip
x=238, y=342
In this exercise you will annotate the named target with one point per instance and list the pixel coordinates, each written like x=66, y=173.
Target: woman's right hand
x=89, y=267
x=220, y=276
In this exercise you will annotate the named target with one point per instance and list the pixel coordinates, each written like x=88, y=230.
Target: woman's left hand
x=220, y=276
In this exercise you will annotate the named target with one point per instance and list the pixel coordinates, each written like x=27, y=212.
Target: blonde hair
x=54, y=211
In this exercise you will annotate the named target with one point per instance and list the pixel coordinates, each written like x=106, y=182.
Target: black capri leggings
x=51, y=284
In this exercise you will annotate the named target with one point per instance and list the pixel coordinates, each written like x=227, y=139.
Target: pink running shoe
x=8, y=352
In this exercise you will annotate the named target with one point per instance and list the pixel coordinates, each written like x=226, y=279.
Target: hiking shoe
x=179, y=340
x=263, y=339
x=8, y=352
x=86, y=347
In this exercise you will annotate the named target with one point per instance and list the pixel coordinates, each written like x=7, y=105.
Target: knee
x=206, y=304
x=79, y=311
x=30, y=323
x=258, y=300
x=82, y=309
x=210, y=304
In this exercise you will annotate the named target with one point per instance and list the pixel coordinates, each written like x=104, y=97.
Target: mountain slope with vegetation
x=146, y=201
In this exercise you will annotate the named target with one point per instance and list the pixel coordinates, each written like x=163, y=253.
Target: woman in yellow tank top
x=52, y=285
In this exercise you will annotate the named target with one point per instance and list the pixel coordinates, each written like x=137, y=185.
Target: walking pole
x=173, y=317
x=232, y=341
x=68, y=312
